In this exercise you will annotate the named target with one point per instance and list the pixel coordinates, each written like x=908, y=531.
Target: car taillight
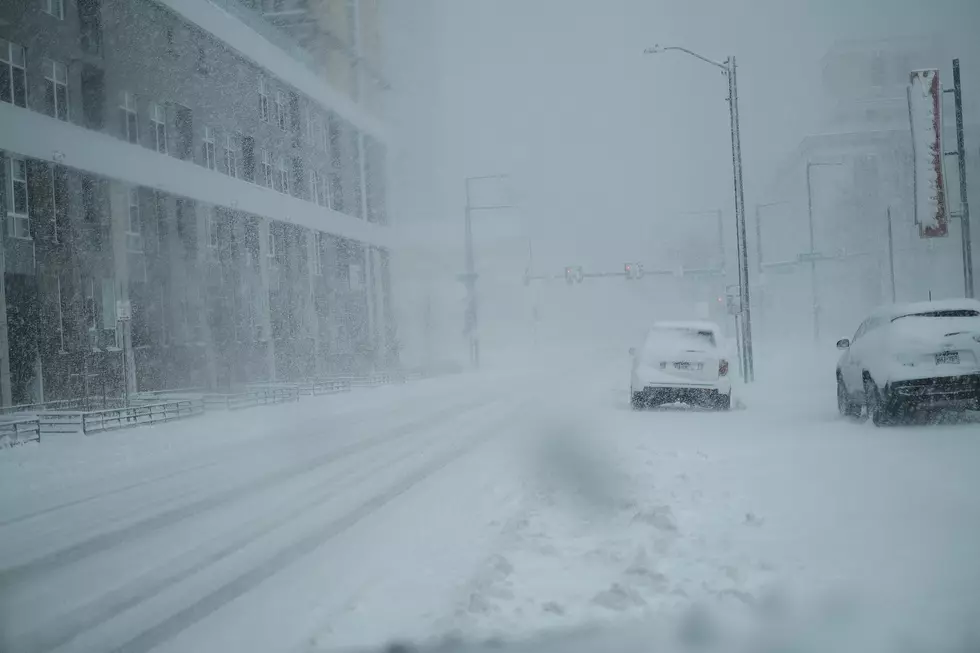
x=722, y=367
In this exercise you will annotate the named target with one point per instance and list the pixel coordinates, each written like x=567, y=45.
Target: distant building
x=866, y=136
x=220, y=165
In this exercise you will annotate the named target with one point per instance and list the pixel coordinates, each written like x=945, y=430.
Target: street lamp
x=728, y=68
x=813, y=252
x=469, y=277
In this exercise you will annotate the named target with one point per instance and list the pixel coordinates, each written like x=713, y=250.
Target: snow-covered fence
x=257, y=396
x=110, y=419
x=19, y=431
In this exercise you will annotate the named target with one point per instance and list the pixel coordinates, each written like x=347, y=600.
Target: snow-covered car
x=910, y=356
x=681, y=362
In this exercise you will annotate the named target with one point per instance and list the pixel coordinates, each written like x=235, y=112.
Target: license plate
x=948, y=358
x=684, y=365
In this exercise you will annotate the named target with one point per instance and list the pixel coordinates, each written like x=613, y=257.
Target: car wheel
x=723, y=402
x=845, y=405
x=877, y=409
x=637, y=401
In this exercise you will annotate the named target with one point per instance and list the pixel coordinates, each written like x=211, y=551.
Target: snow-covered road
x=500, y=503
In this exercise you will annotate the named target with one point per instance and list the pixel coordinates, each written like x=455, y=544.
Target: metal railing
x=19, y=431
x=110, y=419
x=260, y=396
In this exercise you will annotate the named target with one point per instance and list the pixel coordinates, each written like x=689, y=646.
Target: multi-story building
x=863, y=157
x=219, y=165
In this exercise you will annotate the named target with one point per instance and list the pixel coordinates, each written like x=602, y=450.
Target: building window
x=265, y=169
x=13, y=74
x=185, y=132
x=317, y=255
x=54, y=7
x=18, y=220
x=93, y=97
x=273, y=250
x=336, y=163
x=130, y=124
x=171, y=42
x=134, y=239
x=61, y=316
x=202, y=61
x=90, y=25
x=248, y=158
x=56, y=89
x=90, y=207
x=209, y=160
x=318, y=188
x=55, y=193
x=212, y=218
x=263, y=101
x=281, y=110
x=158, y=116
x=231, y=156
x=282, y=176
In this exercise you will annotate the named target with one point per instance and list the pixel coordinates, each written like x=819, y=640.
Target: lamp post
x=728, y=68
x=813, y=260
x=470, y=276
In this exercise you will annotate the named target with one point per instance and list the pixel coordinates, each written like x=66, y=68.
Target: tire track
x=68, y=626
x=214, y=600
x=217, y=455
x=50, y=562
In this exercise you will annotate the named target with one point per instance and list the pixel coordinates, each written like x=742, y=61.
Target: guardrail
x=78, y=416
x=19, y=431
x=77, y=403
x=110, y=419
x=252, y=397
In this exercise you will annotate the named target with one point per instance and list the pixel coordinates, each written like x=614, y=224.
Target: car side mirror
x=843, y=343
x=632, y=351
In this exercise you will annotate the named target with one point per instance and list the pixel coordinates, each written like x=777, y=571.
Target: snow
x=489, y=505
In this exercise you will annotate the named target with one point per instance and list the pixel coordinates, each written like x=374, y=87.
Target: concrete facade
x=158, y=163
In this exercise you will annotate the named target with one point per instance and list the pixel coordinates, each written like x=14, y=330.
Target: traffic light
x=633, y=270
x=628, y=269
x=574, y=274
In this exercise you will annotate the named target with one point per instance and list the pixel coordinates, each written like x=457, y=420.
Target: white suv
x=681, y=362
x=910, y=356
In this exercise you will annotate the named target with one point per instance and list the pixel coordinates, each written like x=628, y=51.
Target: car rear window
x=700, y=335
x=959, y=312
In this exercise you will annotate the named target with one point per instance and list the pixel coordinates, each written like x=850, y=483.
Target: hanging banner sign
x=925, y=97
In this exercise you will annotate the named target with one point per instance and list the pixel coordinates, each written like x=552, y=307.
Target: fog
x=613, y=156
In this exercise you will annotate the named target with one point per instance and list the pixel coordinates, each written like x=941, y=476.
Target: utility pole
x=741, y=236
x=469, y=277
x=891, y=253
x=813, y=262
x=729, y=69
x=964, y=201
x=471, y=320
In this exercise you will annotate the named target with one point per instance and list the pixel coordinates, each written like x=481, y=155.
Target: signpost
x=124, y=313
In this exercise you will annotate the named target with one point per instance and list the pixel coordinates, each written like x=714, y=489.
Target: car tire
x=722, y=402
x=877, y=409
x=637, y=401
x=845, y=405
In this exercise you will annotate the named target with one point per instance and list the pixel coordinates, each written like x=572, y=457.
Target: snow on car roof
x=897, y=310
x=693, y=325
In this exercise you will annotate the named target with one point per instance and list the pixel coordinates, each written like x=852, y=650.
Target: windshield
x=941, y=314
x=685, y=337
x=328, y=324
